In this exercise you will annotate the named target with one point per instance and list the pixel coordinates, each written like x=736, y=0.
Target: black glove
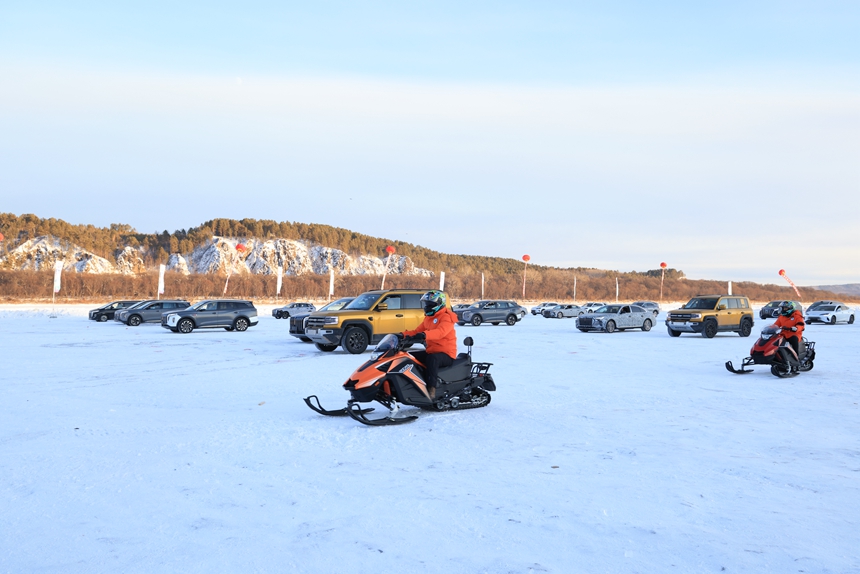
x=420, y=337
x=793, y=329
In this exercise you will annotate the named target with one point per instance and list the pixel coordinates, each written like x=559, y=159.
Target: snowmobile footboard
x=314, y=403
x=743, y=370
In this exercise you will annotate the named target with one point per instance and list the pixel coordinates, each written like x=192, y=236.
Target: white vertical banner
x=442, y=281
x=280, y=281
x=58, y=271
x=482, y=285
x=616, y=289
x=730, y=287
x=574, y=288
x=331, y=282
x=161, y=269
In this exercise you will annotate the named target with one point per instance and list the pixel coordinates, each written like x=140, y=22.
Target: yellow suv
x=366, y=319
x=710, y=314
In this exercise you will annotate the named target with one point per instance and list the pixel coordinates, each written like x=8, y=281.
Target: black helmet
x=432, y=301
x=787, y=308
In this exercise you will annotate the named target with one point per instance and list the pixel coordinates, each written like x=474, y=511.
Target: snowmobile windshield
x=387, y=343
x=769, y=331
x=702, y=303
x=363, y=302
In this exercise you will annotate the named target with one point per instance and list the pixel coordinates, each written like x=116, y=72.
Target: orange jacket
x=439, y=332
x=794, y=320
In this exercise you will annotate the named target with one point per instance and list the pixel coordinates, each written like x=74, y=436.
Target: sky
x=721, y=138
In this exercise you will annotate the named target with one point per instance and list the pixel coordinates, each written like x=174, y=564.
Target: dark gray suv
x=228, y=314
x=494, y=312
x=148, y=311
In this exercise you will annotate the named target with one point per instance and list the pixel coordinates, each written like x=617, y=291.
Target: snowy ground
x=139, y=450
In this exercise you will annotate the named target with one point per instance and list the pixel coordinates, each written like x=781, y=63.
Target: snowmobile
x=393, y=377
x=773, y=349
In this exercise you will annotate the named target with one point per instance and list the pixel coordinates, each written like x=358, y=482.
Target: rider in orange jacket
x=439, y=337
x=791, y=321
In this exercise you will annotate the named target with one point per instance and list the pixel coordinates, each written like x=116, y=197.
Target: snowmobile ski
x=358, y=414
x=742, y=371
x=336, y=413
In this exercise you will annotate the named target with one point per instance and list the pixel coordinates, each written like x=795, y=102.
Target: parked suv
x=108, y=311
x=538, y=309
x=229, y=314
x=288, y=311
x=366, y=319
x=710, y=314
x=494, y=312
x=148, y=311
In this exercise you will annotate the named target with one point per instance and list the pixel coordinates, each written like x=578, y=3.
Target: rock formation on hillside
x=224, y=256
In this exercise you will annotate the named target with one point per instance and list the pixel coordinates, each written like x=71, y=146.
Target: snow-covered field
x=139, y=450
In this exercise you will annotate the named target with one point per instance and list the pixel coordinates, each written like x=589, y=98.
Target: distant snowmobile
x=393, y=376
x=772, y=349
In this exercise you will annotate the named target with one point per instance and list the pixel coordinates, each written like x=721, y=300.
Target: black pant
x=794, y=341
x=432, y=363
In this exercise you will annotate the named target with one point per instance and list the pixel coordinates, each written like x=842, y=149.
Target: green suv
x=366, y=319
x=711, y=314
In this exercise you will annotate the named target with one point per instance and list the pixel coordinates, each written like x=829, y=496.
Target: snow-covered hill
x=223, y=256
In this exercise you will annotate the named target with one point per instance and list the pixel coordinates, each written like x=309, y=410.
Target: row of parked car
x=354, y=323
x=179, y=315
x=831, y=312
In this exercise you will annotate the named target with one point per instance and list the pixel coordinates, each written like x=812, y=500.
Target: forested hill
x=106, y=241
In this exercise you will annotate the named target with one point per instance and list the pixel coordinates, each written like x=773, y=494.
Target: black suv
x=288, y=311
x=229, y=314
x=106, y=312
x=299, y=321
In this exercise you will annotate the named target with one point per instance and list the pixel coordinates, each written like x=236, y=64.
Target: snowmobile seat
x=460, y=369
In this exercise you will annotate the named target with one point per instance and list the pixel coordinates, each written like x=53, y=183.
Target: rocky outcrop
x=223, y=256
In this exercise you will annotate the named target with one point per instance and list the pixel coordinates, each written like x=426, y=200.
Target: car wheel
x=103, y=318
x=325, y=348
x=461, y=323
x=477, y=320
x=833, y=320
x=305, y=340
x=511, y=320
x=134, y=320
x=241, y=324
x=228, y=328
x=559, y=316
x=851, y=320
x=583, y=330
x=646, y=326
x=746, y=328
x=710, y=329
x=496, y=324
x=673, y=332
x=355, y=340
x=185, y=326
x=610, y=326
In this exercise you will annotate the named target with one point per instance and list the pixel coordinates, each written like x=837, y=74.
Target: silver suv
x=148, y=311
x=494, y=312
x=229, y=314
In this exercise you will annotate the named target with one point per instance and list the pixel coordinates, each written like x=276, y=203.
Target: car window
x=363, y=302
x=702, y=303
x=410, y=301
x=637, y=309
x=393, y=301
x=156, y=306
x=732, y=303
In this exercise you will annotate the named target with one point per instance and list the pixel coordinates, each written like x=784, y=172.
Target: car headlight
x=696, y=316
x=329, y=320
x=467, y=314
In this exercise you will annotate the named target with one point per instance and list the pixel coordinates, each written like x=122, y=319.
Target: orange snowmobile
x=393, y=377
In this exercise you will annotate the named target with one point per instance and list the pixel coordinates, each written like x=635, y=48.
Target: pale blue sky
x=599, y=134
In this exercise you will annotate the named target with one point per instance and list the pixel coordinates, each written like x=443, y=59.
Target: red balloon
x=663, y=265
x=782, y=271
x=1, y=237
x=240, y=247
x=526, y=258
x=390, y=249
